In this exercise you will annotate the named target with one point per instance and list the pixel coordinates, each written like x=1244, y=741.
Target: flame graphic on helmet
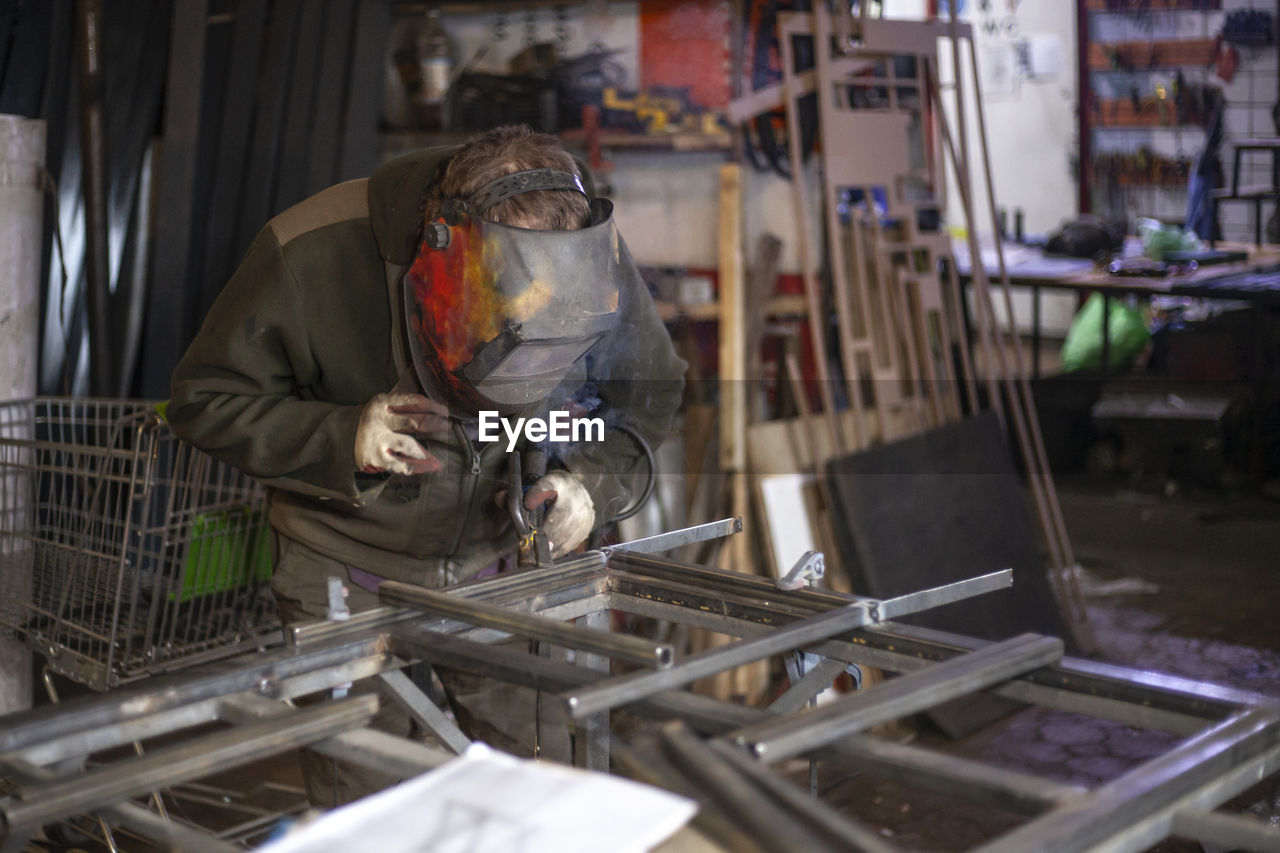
x=460, y=308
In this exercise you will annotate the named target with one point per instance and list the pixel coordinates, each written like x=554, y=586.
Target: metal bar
x=828, y=820
x=629, y=688
x=772, y=825
x=1147, y=789
x=422, y=709
x=786, y=737
x=1010, y=790
x=540, y=583
x=625, y=647
x=651, y=768
x=365, y=747
x=925, y=599
x=39, y=804
x=1231, y=832
x=175, y=836
x=1006, y=789
x=811, y=684
x=92, y=740
x=263, y=673
x=678, y=538
x=383, y=752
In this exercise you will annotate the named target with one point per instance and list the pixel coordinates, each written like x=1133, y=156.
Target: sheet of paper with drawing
x=489, y=801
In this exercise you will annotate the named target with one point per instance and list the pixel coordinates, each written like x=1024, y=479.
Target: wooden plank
x=359, y=155
x=170, y=277
x=234, y=138
x=732, y=296
x=330, y=100
x=295, y=136
x=256, y=207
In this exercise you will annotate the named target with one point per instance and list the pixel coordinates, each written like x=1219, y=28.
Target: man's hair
x=505, y=150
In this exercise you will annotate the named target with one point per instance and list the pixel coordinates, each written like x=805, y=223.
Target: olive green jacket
x=310, y=327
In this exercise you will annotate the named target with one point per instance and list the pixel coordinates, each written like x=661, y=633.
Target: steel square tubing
x=1011, y=790
x=625, y=647
x=798, y=634
x=41, y=803
x=770, y=823
x=628, y=688
x=1236, y=744
x=786, y=737
x=172, y=834
x=1146, y=700
x=262, y=672
x=1230, y=832
x=830, y=821
x=578, y=579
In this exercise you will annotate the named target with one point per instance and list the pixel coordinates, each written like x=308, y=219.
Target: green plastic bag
x=1126, y=327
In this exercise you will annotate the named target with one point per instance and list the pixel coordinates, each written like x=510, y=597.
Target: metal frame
x=716, y=751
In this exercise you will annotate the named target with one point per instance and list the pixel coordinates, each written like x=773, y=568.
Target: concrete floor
x=1213, y=616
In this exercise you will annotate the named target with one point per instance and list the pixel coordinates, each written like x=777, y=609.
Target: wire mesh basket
x=125, y=552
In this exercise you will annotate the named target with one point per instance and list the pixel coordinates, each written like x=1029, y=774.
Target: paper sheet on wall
x=489, y=802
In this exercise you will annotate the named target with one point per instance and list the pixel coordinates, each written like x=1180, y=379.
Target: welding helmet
x=498, y=316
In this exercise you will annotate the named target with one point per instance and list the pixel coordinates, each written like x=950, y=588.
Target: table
x=1255, y=281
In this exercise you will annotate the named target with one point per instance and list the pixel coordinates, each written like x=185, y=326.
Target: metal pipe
x=39, y=804
x=828, y=820
x=679, y=538
x=803, y=632
x=774, y=827
x=93, y=154
x=786, y=737
x=624, y=647
x=263, y=673
x=629, y=688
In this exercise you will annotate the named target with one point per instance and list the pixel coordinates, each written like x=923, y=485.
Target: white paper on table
x=490, y=801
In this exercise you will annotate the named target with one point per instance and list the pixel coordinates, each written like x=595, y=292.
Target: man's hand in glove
x=384, y=435
x=572, y=513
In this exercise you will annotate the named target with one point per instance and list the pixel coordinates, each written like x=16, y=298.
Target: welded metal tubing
x=798, y=634
x=628, y=688
x=376, y=750
x=423, y=710
x=623, y=647
x=769, y=822
x=39, y=804
x=679, y=538
x=173, y=835
x=385, y=753
x=786, y=737
x=829, y=821
x=1148, y=788
x=263, y=672
x=583, y=575
x=1005, y=789
x=927, y=599
x=1229, y=832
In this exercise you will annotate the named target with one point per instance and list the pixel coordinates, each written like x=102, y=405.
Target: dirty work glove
x=384, y=434
x=572, y=513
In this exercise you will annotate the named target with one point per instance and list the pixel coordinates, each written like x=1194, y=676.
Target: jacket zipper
x=469, y=489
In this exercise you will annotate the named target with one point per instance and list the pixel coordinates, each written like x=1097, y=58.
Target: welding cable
x=649, y=484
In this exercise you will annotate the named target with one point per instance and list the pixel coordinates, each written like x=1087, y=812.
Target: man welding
x=348, y=361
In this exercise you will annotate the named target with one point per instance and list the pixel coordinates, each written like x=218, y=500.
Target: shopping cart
x=125, y=552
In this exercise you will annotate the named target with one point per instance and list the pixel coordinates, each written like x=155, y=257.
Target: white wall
x=1030, y=120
